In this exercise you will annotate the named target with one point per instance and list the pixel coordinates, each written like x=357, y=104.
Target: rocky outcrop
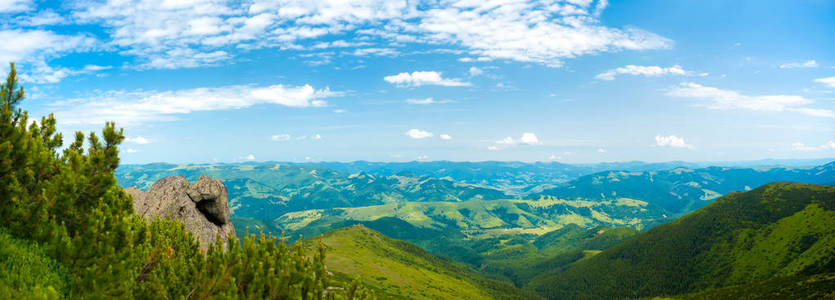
x=202, y=206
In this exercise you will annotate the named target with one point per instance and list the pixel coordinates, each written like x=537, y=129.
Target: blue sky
x=569, y=81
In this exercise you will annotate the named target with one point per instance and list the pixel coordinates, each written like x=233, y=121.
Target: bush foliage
x=63, y=213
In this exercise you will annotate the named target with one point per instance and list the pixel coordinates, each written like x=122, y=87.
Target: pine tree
x=70, y=204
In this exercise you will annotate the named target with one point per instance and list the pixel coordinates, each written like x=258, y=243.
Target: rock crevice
x=202, y=206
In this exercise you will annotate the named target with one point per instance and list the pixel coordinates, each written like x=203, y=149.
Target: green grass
x=396, y=269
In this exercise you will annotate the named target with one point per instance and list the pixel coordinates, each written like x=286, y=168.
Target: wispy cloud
x=475, y=71
x=426, y=101
x=10, y=6
x=137, y=140
x=33, y=50
x=828, y=81
x=136, y=107
x=280, y=137
x=795, y=65
x=649, y=71
x=830, y=145
x=180, y=34
x=420, y=78
x=726, y=99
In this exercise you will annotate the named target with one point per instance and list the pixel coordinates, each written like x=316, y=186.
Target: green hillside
x=481, y=218
x=396, y=269
x=778, y=230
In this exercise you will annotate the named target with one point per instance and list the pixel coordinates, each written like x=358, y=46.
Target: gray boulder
x=202, y=206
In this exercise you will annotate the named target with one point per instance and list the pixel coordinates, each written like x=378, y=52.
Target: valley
x=527, y=238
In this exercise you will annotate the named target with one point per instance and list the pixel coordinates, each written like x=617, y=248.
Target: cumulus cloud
x=249, y=157
x=650, y=71
x=726, y=99
x=136, y=107
x=671, y=141
x=175, y=34
x=829, y=81
x=317, y=137
x=280, y=137
x=419, y=78
x=806, y=64
x=137, y=140
x=418, y=134
x=830, y=145
x=527, y=138
x=445, y=137
x=130, y=150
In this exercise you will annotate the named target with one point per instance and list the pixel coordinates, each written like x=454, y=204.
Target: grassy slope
x=27, y=272
x=520, y=261
x=398, y=269
x=780, y=229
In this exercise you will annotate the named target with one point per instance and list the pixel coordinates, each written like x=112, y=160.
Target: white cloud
x=426, y=101
x=130, y=150
x=420, y=101
x=317, y=137
x=830, y=145
x=137, y=140
x=725, y=99
x=249, y=157
x=807, y=64
x=529, y=139
x=492, y=148
x=45, y=17
x=531, y=31
x=376, y=51
x=11, y=6
x=506, y=141
x=476, y=71
x=422, y=157
x=829, y=81
x=601, y=150
x=33, y=49
x=175, y=34
x=419, y=78
x=445, y=137
x=339, y=111
x=671, y=141
x=133, y=108
x=653, y=71
x=280, y=137
x=418, y=134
